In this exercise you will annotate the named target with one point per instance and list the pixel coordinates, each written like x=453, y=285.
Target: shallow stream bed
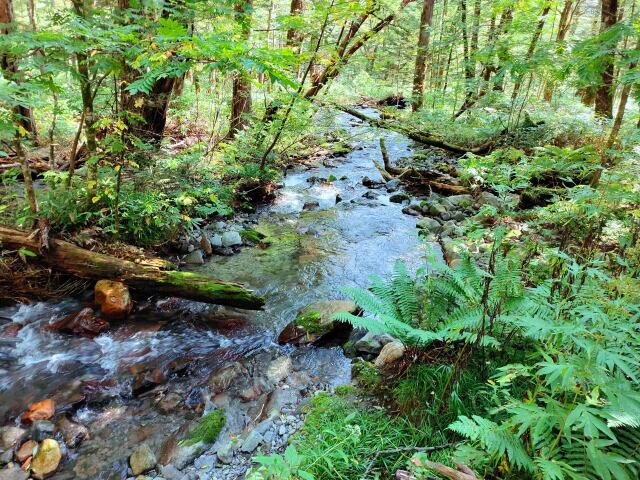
x=119, y=384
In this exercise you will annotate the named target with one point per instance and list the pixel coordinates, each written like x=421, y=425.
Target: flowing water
x=312, y=254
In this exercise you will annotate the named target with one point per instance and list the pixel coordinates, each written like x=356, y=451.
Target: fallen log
x=436, y=181
x=147, y=277
x=413, y=134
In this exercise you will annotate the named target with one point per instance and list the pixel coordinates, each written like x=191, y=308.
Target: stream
x=122, y=384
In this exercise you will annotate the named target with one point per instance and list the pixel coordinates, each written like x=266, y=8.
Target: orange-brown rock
x=113, y=298
x=84, y=323
x=25, y=451
x=42, y=410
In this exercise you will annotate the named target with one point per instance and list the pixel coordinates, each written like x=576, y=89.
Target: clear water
x=312, y=254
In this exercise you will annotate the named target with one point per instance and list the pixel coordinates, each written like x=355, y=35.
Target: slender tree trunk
x=566, y=17
x=475, y=33
x=468, y=70
x=605, y=91
x=26, y=175
x=241, y=98
x=624, y=97
x=31, y=7
x=421, y=56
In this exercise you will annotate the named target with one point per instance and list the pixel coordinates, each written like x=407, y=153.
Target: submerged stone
x=142, y=459
x=46, y=460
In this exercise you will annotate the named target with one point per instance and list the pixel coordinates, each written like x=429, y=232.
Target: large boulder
x=315, y=324
x=42, y=410
x=85, y=323
x=113, y=298
x=46, y=460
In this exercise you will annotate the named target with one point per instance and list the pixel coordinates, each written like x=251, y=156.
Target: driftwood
x=413, y=134
x=463, y=472
x=435, y=180
x=149, y=277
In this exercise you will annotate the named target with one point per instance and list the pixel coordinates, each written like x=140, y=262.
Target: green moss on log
x=207, y=290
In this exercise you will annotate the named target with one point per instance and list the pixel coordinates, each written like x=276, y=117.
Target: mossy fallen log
x=412, y=134
x=149, y=277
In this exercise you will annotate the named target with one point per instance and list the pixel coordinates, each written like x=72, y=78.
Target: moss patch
x=208, y=429
x=311, y=321
x=251, y=235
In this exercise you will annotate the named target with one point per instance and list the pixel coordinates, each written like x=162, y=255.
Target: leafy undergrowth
x=340, y=437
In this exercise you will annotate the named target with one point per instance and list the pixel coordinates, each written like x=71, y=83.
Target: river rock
x=226, y=451
x=430, y=224
x=142, y=459
x=11, y=436
x=171, y=473
x=194, y=258
x=372, y=343
x=26, y=450
x=222, y=379
x=487, y=198
x=399, y=198
x=42, y=410
x=73, y=433
x=216, y=241
x=410, y=211
x=461, y=201
x=437, y=209
x=85, y=323
x=279, y=369
x=251, y=442
x=42, y=429
x=315, y=322
x=46, y=460
x=231, y=239
x=367, y=182
x=393, y=185
x=113, y=298
x=13, y=472
x=390, y=353
x=311, y=205
x=169, y=402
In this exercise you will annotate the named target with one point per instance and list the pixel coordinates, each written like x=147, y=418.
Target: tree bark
x=605, y=91
x=566, y=17
x=426, y=19
x=145, y=277
x=295, y=35
x=241, y=97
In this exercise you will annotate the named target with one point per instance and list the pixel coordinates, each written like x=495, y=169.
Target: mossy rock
x=315, y=324
x=252, y=236
x=399, y=198
x=208, y=429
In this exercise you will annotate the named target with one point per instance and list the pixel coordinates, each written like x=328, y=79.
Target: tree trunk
x=10, y=69
x=566, y=16
x=421, y=56
x=295, y=35
x=241, y=98
x=624, y=97
x=145, y=277
x=605, y=91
